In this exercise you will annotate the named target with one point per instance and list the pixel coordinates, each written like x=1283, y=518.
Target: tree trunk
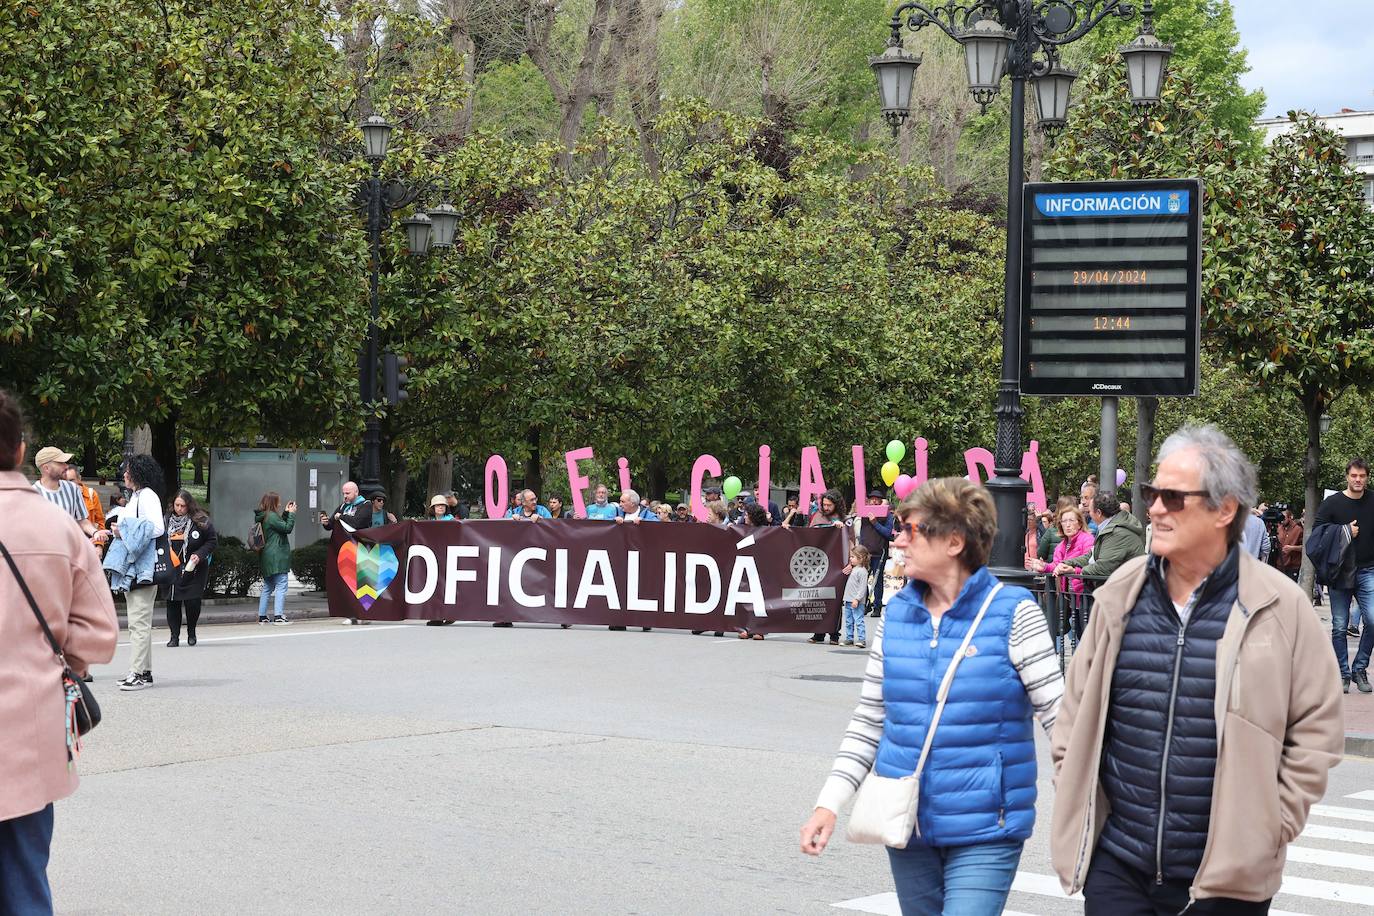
x=439, y=476
x=657, y=478
x=1312, y=405
x=199, y=463
x=89, y=460
x=396, y=489
x=534, y=470
x=165, y=452
x=1145, y=410
x=460, y=38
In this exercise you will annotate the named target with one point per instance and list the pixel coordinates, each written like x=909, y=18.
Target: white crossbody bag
x=885, y=808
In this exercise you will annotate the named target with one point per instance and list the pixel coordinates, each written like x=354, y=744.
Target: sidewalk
x=1359, y=707
x=239, y=610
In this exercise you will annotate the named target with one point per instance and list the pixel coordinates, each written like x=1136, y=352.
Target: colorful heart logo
x=368, y=570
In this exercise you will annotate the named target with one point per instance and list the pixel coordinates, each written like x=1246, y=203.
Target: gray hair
x=1225, y=471
x=632, y=494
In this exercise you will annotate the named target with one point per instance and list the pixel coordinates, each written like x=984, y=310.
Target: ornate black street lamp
x=435, y=229
x=1003, y=38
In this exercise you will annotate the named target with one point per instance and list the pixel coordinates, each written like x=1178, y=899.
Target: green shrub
x=233, y=569
x=308, y=564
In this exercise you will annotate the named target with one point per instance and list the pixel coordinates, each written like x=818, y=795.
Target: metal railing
x=1066, y=611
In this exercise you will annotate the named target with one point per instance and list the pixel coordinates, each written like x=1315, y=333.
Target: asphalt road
x=403, y=769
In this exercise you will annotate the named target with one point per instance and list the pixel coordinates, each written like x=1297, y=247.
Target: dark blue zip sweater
x=1159, y=756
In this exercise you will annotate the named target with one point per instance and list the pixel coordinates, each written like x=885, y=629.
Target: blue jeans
x=24, y=844
x=272, y=586
x=954, y=880
x=1340, y=619
x=854, y=622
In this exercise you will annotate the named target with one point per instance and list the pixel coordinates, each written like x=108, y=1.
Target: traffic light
x=394, y=377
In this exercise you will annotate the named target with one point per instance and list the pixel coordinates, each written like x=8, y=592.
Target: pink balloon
x=1120, y=477
x=903, y=485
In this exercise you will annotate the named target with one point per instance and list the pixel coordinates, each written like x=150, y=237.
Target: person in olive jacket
x=192, y=539
x=276, y=553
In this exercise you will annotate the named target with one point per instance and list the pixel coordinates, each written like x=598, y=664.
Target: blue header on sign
x=1148, y=202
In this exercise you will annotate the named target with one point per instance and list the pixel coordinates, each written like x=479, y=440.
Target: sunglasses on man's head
x=1173, y=500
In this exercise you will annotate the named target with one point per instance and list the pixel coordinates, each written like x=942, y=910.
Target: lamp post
x=1002, y=38
x=424, y=231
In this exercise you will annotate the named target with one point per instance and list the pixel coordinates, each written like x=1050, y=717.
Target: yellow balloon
x=890, y=472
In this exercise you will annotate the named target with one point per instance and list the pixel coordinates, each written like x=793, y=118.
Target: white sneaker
x=280, y=621
x=348, y=621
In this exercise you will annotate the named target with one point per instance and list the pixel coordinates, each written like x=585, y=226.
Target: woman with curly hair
x=138, y=528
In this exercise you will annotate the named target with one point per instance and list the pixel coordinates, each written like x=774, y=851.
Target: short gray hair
x=1226, y=472
x=632, y=494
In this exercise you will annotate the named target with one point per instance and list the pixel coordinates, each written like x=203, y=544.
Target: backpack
x=256, y=540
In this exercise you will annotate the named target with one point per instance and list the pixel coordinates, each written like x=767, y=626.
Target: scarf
x=178, y=525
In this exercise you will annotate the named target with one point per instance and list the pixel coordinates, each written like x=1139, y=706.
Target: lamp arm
x=952, y=18
x=1086, y=15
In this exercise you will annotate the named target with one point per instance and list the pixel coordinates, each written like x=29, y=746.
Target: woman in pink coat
x=1077, y=542
x=62, y=569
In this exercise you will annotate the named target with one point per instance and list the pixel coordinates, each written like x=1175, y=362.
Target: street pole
x=1106, y=463
x=367, y=375
x=1007, y=487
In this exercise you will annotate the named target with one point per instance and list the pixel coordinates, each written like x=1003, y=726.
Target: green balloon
x=731, y=487
x=896, y=451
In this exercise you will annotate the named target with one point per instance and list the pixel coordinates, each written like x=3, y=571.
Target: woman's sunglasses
x=1173, y=499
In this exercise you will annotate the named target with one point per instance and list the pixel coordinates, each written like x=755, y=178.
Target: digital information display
x=1110, y=299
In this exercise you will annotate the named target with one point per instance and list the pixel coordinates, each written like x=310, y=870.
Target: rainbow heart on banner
x=368, y=570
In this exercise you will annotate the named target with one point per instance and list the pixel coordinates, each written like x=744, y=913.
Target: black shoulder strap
x=24, y=586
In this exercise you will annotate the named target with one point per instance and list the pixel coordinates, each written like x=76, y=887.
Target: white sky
x=1316, y=55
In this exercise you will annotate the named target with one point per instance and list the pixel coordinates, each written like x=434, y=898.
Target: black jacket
x=201, y=542
x=355, y=516
x=1160, y=749
x=1329, y=547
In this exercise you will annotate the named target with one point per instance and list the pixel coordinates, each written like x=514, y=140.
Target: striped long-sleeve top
x=1032, y=654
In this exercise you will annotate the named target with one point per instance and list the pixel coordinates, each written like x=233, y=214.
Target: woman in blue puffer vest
x=977, y=791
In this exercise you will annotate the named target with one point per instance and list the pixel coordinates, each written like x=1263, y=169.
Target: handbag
x=83, y=712
x=885, y=808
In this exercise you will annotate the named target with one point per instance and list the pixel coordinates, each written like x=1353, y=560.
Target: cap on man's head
x=378, y=494
x=49, y=454
x=875, y=492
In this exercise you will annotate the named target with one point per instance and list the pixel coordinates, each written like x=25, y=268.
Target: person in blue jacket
x=529, y=509
x=602, y=508
x=976, y=804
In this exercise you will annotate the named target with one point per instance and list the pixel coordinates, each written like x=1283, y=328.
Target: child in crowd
x=855, y=596
x=894, y=574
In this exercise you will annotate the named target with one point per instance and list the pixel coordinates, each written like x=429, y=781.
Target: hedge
x=308, y=563
x=233, y=569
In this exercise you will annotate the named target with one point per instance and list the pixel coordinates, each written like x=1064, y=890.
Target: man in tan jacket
x=62, y=570
x=1201, y=712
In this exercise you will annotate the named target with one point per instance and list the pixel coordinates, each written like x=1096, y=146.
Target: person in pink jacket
x=1077, y=542
x=62, y=569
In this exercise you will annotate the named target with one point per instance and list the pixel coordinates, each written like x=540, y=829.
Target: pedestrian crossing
x=1324, y=874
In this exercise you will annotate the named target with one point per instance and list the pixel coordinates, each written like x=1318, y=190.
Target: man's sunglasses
x=1173, y=499
x=920, y=528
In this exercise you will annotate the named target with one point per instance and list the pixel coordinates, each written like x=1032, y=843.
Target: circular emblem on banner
x=809, y=566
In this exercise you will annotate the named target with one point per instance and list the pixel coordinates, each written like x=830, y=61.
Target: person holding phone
x=276, y=554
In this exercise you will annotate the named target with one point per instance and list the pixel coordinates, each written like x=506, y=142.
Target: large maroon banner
x=668, y=574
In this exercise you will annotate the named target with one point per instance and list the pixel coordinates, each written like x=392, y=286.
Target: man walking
x=1354, y=508
x=1200, y=713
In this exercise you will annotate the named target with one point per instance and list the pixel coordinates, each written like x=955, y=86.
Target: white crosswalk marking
x=1331, y=875
x=1331, y=859
x=1345, y=814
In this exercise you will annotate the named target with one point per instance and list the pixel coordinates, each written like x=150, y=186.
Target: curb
x=238, y=613
x=1359, y=745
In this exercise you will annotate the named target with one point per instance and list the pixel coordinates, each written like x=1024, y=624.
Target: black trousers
x=1114, y=888
x=174, y=616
